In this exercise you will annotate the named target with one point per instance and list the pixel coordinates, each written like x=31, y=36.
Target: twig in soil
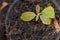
x=56, y=4
x=10, y=7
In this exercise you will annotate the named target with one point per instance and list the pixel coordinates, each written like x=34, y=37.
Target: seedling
x=45, y=15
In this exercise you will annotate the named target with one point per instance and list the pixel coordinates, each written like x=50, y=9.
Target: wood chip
x=4, y=4
x=56, y=25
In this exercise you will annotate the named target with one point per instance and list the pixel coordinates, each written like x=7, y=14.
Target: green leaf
x=45, y=19
x=37, y=8
x=49, y=11
x=27, y=16
x=47, y=14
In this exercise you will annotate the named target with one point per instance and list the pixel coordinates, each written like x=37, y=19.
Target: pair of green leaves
x=45, y=16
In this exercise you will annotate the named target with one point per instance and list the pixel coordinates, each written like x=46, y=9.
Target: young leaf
x=45, y=19
x=49, y=11
x=37, y=9
x=27, y=16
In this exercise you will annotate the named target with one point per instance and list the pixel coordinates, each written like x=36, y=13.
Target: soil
x=13, y=28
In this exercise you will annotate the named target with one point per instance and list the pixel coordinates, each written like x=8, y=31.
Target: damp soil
x=15, y=29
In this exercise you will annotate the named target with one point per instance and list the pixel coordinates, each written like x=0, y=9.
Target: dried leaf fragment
x=56, y=25
x=4, y=4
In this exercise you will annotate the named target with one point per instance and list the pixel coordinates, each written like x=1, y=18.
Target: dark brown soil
x=13, y=28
